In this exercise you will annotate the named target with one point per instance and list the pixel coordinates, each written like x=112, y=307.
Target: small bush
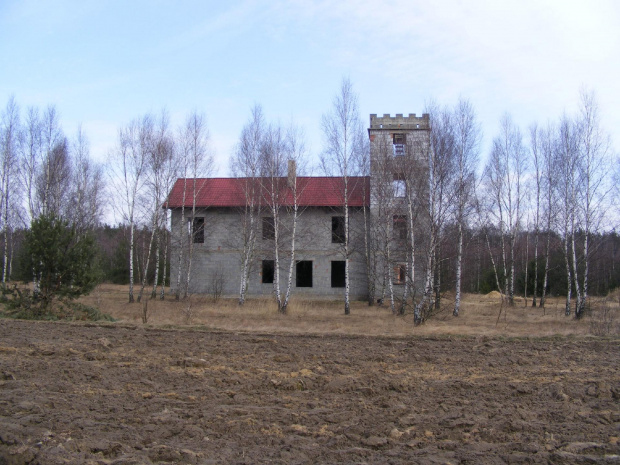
x=603, y=320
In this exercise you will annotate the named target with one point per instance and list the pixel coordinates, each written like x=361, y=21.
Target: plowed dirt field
x=126, y=394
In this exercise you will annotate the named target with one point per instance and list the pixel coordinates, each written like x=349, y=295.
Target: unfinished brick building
x=218, y=229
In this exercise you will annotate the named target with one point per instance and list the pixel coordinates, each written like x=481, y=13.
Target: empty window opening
x=399, y=188
x=400, y=274
x=400, y=227
x=304, y=273
x=197, y=229
x=269, y=230
x=267, y=274
x=399, y=144
x=338, y=229
x=338, y=271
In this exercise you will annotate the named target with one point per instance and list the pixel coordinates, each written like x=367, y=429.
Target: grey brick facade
x=396, y=144
x=220, y=254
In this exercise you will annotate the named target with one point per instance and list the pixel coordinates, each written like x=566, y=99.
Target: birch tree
x=296, y=160
x=86, y=194
x=158, y=148
x=31, y=160
x=504, y=177
x=440, y=160
x=128, y=178
x=245, y=164
x=273, y=191
x=282, y=154
x=198, y=162
x=343, y=135
x=547, y=147
x=467, y=136
x=164, y=170
x=593, y=148
x=537, y=161
x=53, y=180
x=568, y=185
x=9, y=152
x=370, y=228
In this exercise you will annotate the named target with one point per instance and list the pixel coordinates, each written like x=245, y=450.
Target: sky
x=104, y=63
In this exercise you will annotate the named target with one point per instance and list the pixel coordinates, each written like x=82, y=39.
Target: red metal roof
x=230, y=192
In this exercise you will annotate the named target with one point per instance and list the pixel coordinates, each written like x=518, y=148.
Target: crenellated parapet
x=400, y=121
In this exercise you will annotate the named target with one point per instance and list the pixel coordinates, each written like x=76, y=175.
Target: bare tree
x=9, y=153
x=273, y=191
x=281, y=154
x=86, y=193
x=164, y=171
x=296, y=159
x=31, y=160
x=128, y=170
x=54, y=178
x=437, y=196
x=568, y=185
x=593, y=147
x=159, y=152
x=504, y=177
x=370, y=227
x=547, y=148
x=198, y=162
x=467, y=137
x=386, y=202
x=245, y=164
x=344, y=142
x=538, y=162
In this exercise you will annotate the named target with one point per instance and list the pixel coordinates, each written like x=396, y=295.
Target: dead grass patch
x=479, y=316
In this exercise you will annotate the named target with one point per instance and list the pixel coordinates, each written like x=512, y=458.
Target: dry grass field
x=481, y=315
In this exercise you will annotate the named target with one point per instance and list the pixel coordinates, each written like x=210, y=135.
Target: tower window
x=400, y=274
x=399, y=188
x=400, y=227
x=399, y=144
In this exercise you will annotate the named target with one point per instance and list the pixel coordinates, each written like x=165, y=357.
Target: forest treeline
x=537, y=219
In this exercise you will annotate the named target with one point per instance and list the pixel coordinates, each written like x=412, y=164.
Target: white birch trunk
x=276, y=256
x=291, y=267
x=162, y=294
x=131, y=253
x=190, y=252
x=5, y=270
x=536, y=238
x=182, y=235
x=412, y=249
x=578, y=293
x=146, y=265
x=157, y=259
x=543, y=293
x=459, y=264
x=247, y=256
x=568, y=275
x=497, y=283
x=347, y=283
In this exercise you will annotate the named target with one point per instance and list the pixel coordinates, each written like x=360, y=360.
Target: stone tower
x=398, y=178
x=395, y=141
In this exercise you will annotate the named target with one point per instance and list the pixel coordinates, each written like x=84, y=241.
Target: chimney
x=292, y=173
